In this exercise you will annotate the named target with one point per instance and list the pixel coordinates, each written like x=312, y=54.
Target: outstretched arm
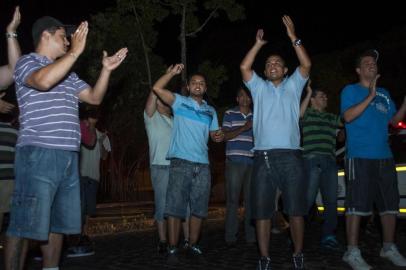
x=400, y=114
x=95, y=95
x=359, y=108
x=13, y=50
x=246, y=64
x=304, y=59
x=159, y=87
x=151, y=104
x=306, y=100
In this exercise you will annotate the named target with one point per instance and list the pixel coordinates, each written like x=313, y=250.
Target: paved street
x=137, y=250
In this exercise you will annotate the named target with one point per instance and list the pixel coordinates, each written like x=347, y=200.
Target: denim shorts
x=371, y=181
x=46, y=196
x=189, y=183
x=281, y=169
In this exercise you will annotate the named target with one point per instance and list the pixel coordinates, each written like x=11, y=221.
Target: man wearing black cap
x=370, y=169
x=46, y=198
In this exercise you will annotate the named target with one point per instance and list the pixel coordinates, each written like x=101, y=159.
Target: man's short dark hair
x=197, y=74
x=317, y=90
x=371, y=52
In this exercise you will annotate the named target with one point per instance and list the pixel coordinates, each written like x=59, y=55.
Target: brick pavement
x=137, y=250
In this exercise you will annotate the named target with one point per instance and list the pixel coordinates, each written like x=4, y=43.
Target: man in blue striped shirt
x=46, y=199
x=237, y=127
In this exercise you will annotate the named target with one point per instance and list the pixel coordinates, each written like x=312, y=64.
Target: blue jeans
x=46, y=195
x=273, y=169
x=159, y=179
x=238, y=175
x=321, y=171
x=189, y=185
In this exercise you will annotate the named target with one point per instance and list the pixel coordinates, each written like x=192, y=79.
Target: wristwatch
x=11, y=35
x=297, y=42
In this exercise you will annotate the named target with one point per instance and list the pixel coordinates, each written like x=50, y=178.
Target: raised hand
x=5, y=107
x=260, y=37
x=176, y=69
x=78, y=39
x=15, y=22
x=290, y=27
x=112, y=62
x=372, y=86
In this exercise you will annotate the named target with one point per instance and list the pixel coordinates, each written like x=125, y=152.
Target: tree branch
x=204, y=24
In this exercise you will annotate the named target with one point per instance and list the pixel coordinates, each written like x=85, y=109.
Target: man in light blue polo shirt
x=278, y=161
x=189, y=172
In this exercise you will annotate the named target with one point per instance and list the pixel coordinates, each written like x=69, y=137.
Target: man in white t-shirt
x=90, y=157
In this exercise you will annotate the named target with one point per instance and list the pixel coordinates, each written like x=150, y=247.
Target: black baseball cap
x=48, y=23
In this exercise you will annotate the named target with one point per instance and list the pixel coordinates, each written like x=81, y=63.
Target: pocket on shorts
x=24, y=210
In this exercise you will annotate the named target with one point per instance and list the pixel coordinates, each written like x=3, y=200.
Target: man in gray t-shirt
x=158, y=124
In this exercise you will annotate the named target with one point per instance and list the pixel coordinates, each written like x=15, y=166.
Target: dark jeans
x=238, y=175
x=321, y=173
x=273, y=169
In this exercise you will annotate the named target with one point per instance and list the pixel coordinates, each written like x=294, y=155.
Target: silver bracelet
x=11, y=35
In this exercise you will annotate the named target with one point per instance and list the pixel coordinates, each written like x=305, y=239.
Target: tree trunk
x=144, y=46
x=183, y=48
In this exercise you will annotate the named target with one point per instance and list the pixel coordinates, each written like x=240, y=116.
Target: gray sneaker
x=394, y=256
x=355, y=260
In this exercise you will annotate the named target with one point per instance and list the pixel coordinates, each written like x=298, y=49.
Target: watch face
x=298, y=42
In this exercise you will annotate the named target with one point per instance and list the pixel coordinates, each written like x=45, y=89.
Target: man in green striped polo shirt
x=319, y=142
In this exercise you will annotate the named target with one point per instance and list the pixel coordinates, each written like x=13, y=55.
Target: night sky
x=323, y=28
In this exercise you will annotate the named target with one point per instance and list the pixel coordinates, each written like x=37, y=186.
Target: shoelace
x=298, y=261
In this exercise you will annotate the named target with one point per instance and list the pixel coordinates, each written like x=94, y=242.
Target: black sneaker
x=172, y=255
x=264, y=263
x=162, y=247
x=80, y=251
x=330, y=243
x=298, y=261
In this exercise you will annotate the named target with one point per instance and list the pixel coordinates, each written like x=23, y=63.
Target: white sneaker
x=355, y=260
x=394, y=256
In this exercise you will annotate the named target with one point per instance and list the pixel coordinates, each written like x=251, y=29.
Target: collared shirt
x=238, y=149
x=276, y=111
x=159, y=130
x=191, y=127
x=47, y=118
x=319, y=132
x=8, y=139
x=367, y=135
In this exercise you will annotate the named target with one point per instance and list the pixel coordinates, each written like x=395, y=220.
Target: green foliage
x=216, y=75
